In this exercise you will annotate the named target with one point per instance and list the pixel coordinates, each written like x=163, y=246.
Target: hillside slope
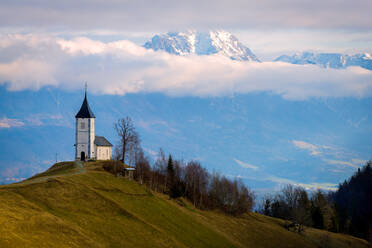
x=81, y=205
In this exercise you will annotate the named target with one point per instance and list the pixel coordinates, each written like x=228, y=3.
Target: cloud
x=46, y=119
x=308, y=186
x=331, y=155
x=358, y=161
x=149, y=15
x=14, y=179
x=8, y=123
x=35, y=120
x=307, y=146
x=157, y=125
x=337, y=171
x=120, y=67
x=246, y=165
x=270, y=45
x=150, y=123
x=13, y=171
x=284, y=181
x=340, y=162
x=152, y=153
x=321, y=186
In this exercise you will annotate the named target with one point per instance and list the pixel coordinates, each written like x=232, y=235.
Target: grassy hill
x=81, y=205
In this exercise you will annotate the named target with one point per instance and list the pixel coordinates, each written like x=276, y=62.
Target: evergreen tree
x=317, y=217
x=354, y=203
x=170, y=171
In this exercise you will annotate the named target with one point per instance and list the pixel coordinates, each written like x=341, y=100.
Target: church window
x=82, y=125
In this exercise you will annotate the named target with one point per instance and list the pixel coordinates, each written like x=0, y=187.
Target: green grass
x=69, y=206
x=61, y=168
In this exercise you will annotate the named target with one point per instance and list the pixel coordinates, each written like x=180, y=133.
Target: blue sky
x=268, y=123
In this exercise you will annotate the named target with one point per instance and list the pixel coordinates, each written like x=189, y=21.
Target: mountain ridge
x=224, y=43
x=201, y=43
x=328, y=60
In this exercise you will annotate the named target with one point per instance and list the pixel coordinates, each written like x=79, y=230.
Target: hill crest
x=72, y=205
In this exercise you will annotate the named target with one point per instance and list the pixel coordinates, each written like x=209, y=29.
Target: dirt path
x=80, y=167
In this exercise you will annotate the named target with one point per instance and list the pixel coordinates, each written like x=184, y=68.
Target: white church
x=88, y=146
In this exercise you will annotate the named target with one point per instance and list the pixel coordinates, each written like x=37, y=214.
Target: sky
x=267, y=26
x=50, y=48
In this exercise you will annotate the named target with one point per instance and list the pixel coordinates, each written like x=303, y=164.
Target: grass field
x=81, y=205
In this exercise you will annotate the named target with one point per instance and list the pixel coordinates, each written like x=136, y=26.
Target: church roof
x=85, y=111
x=101, y=141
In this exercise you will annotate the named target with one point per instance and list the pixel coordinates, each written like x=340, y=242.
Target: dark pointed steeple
x=85, y=111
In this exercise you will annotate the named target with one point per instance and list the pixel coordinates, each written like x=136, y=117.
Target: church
x=88, y=146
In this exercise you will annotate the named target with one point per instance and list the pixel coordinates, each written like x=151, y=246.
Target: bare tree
x=133, y=150
x=159, y=172
x=128, y=136
x=232, y=197
x=117, y=153
x=143, y=170
x=196, y=178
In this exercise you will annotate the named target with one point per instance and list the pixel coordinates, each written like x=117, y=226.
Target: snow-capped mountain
x=329, y=60
x=202, y=43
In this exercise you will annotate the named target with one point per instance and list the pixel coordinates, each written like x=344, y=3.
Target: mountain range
x=329, y=60
x=223, y=42
x=202, y=43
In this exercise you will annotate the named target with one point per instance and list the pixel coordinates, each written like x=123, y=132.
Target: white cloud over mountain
x=170, y=15
x=120, y=67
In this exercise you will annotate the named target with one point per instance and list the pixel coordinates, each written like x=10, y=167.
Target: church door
x=82, y=156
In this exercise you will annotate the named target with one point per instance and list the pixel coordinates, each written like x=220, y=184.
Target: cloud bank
x=121, y=67
x=168, y=15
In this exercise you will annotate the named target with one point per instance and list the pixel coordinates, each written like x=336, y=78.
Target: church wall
x=104, y=152
x=92, y=137
x=85, y=137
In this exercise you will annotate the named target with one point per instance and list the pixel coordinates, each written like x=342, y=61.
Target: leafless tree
x=134, y=149
x=196, y=178
x=143, y=170
x=159, y=173
x=117, y=153
x=232, y=197
x=128, y=137
x=297, y=204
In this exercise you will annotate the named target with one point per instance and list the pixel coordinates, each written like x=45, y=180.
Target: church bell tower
x=84, y=146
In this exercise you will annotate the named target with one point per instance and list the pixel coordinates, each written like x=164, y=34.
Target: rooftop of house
x=101, y=141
